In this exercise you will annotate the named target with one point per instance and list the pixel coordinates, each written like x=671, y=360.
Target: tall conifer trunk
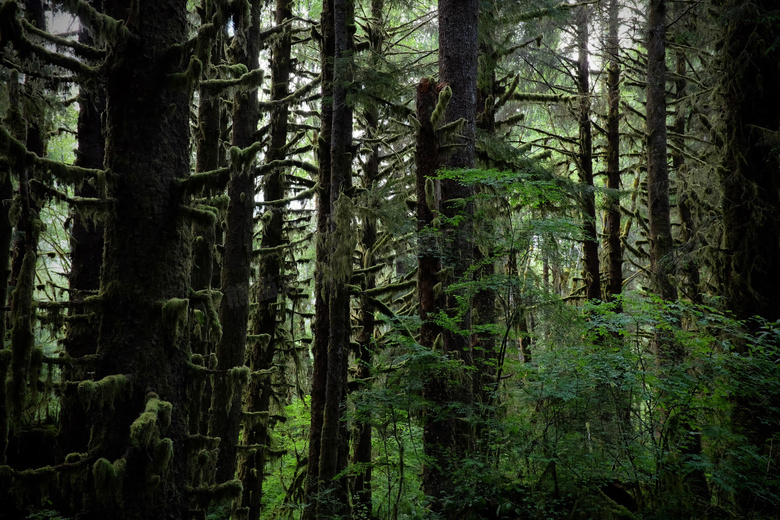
x=590, y=246
x=321, y=287
x=661, y=245
x=145, y=277
x=447, y=438
x=750, y=93
x=361, y=502
x=613, y=245
x=226, y=410
x=266, y=317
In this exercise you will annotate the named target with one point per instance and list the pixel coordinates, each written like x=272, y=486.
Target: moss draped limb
x=104, y=392
x=18, y=154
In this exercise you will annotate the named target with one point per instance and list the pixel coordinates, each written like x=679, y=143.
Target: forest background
x=390, y=259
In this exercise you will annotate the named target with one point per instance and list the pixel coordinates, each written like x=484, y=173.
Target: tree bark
x=661, y=245
x=590, y=246
x=226, y=408
x=266, y=317
x=145, y=278
x=614, y=247
x=446, y=438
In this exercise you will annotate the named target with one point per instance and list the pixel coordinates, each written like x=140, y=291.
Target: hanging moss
x=247, y=81
x=448, y=132
x=213, y=181
x=108, y=478
x=441, y=106
x=22, y=338
x=238, y=378
x=107, y=28
x=104, y=392
x=188, y=79
x=163, y=455
x=206, y=496
x=156, y=418
x=201, y=217
x=175, y=313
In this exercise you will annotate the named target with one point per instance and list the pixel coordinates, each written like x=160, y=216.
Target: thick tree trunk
x=590, y=246
x=750, y=90
x=145, y=278
x=447, y=438
x=226, y=408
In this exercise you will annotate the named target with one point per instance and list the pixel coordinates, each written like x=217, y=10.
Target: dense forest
x=390, y=259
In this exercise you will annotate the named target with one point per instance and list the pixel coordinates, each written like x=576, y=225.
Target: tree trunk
x=321, y=287
x=86, y=253
x=265, y=319
x=447, y=438
x=145, y=278
x=590, y=246
x=362, y=506
x=750, y=90
x=226, y=408
x=613, y=245
x=341, y=248
x=661, y=245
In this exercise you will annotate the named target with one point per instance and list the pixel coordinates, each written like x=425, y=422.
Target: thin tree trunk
x=590, y=246
x=614, y=247
x=321, y=287
x=86, y=253
x=270, y=270
x=362, y=506
x=226, y=408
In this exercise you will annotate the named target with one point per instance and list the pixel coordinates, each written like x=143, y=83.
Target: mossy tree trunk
x=750, y=94
x=340, y=240
x=226, y=407
x=362, y=506
x=590, y=245
x=86, y=254
x=614, y=249
x=661, y=244
x=269, y=312
x=321, y=287
x=145, y=277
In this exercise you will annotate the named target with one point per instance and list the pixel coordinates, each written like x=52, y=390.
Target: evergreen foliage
x=255, y=267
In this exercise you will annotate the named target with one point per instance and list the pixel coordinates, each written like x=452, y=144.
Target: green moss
x=175, y=314
x=441, y=106
x=201, y=217
x=188, y=79
x=163, y=455
x=146, y=429
x=22, y=338
x=108, y=479
x=229, y=491
x=104, y=392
